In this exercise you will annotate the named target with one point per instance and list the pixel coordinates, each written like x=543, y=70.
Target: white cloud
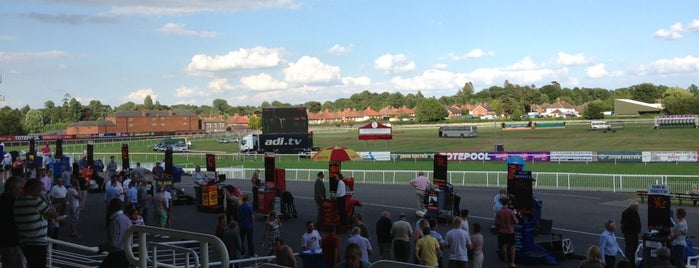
x=139, y=95
x=524, y=71
x=441, y=66
x=7, y=37
x=358, y=81
x=219, y=85
x=394, y=63
x=667, y=35
x=430, y=79
x=599, y=71
x=693, y=27
x=475, y=53
x=179, y=29
x=163, y=7
x=525, y=64
x=596, y=71
x=253, y=58
x=339, y=50
x=675, y=65
x=262, y=81
x=28, y=56
x=676, y=29
x=310, y=70
x=188, y=92
x=570, y=59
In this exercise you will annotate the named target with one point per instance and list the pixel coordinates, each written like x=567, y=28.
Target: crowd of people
x=37, y=204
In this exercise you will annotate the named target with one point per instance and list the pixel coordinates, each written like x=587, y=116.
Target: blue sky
x=247, y=52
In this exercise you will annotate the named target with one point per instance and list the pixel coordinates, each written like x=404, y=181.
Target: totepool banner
x=467, y=156
x=619, y=157
x=687, y=156
x=495, y=156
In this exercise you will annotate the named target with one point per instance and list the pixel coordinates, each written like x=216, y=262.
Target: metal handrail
x=186, y=251
x=204, y=240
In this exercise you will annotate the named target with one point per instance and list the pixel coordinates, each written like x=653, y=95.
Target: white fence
x=543, y=180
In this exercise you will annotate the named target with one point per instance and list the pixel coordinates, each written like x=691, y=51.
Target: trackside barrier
x=544, y=180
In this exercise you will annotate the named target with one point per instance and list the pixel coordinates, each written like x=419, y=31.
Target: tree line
x=511, y=100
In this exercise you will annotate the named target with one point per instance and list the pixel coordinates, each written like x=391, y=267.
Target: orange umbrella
x=336, y=153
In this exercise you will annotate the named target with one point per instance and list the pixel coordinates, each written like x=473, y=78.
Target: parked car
x=180, y=147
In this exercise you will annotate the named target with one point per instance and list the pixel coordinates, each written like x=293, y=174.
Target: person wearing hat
x=401, y=231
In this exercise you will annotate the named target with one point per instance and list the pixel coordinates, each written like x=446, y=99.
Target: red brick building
x=139, y=122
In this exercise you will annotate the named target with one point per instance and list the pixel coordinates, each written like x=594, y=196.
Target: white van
x=599, y=125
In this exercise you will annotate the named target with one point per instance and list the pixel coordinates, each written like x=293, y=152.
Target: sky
x=295, y=51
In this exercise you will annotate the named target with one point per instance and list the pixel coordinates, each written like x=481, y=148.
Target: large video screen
x=285, y=120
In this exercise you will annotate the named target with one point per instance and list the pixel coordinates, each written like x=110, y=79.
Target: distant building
x=90, y=127
x=213, y=125
x=628, y=107
x=140, y=122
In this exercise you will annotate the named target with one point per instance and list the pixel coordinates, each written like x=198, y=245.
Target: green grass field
x=633, y=137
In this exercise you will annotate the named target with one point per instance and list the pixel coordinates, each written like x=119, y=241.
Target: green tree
x=148, y=103
x=647, y=92
x=395, y=100
x=33, y=121
x=553, y=91
x=221, y=105
x=128, y=106
x=52, y=114
x=74, y=111
x=465, y=94
x=693, y=89
x=11, y=122
x=313, y=106
x=679, y=101
x=430, y=110
x=594, y=110
x=95, y=110
x=255, y=122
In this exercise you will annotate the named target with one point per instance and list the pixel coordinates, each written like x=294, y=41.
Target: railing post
x=204, y=251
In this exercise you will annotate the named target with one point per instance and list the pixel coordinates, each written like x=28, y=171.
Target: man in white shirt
x=311, y=238
x=340, y=199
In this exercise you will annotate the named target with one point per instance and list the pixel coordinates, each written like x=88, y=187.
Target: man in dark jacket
x=319, y=194
x=9, y=245
x=383, y=234
x=631, y=228
x=231, y=238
